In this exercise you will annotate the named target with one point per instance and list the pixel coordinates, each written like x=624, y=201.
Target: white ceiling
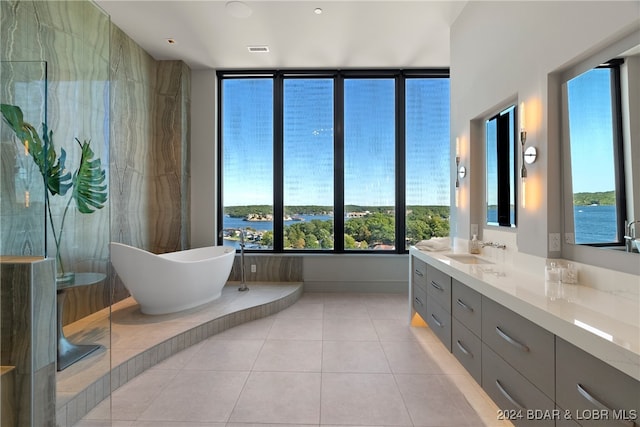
x=211, y=34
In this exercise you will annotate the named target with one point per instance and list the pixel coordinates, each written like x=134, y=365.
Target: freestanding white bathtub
x=173, y=281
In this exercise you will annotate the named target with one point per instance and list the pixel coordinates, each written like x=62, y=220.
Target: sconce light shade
x=462, y=172
x=530, y=155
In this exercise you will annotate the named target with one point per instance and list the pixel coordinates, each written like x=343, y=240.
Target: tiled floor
x=330, y=359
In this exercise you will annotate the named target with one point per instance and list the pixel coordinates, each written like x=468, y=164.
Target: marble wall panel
x=98, y=75
x=28, y=337
x=73, y=39
x=149, y=113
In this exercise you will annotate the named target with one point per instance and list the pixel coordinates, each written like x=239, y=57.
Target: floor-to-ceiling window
x=333, y=161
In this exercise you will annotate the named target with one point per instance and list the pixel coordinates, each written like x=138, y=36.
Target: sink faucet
x=243, y=285
x=493, y=245
x=629, y=234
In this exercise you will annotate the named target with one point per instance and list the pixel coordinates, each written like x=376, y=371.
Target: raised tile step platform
x=135, y=342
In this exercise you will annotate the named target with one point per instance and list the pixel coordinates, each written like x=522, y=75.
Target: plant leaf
x=52, y=168
x=89, y=189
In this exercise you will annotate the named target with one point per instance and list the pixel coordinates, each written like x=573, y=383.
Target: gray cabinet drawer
x=439, y=287
x=585, y=386
x=420, y=301
x=512, y=392
x=419, y=272
x=466, y=306
x=439, y=320
x=467, y=348
x=523, y=344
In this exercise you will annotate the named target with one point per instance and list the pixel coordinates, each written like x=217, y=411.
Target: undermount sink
x=468, y=259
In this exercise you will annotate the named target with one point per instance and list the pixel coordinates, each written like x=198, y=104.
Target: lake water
x=595, y=224
x=230, y=222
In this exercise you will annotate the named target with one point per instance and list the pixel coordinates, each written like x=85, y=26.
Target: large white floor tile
x=290, y=356
x=408, y=357
x=279, y=397
x=204, y=396
x=332, y=359
x=348, y=329
x=353, y=356
x=362, y=399
x=225, y=355
x=298, y=329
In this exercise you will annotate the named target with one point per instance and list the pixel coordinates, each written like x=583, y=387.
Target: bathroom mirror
x=501, y=149
x=601, y=151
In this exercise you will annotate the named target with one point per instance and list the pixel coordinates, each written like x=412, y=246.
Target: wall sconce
x=461, y=171
x=529, y=156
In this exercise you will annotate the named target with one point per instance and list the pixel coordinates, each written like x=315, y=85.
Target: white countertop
x=602, y=323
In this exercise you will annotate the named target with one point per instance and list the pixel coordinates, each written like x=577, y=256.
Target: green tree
x=267, y=239
x=349, y=242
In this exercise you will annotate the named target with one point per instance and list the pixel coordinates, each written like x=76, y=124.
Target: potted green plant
x=86, y=186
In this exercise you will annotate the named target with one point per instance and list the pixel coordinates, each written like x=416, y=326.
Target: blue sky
x=308, y=141
x=590, y=121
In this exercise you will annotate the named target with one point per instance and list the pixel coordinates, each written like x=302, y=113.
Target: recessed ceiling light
x=238, y=9
x=317, y=11
x=258, y=49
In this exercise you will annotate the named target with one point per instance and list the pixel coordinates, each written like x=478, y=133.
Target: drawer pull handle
x=419, y=301
x=510, y=340
x=508, y=396
x=464, y=350
x=598, y=404
x=438, y=322
x=418, y=272
x=438, y=287
x=465, y=306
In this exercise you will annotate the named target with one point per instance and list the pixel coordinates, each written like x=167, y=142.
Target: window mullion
x=338, y=180
x=278, y=159
x=400, y=166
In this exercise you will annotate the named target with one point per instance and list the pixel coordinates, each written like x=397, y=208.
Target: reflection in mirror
x=601, y=131
x=596, y=148
x=501, y=168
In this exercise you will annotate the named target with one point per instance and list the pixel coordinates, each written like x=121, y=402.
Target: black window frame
x=507, y=166
x=618, y=151
x=278, y=76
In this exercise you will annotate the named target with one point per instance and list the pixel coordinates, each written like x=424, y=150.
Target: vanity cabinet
x=466, y=329
x=467, y=348
x=439, y=287
x=419, y=286
x=594, y=393
x=521, y=343
x=466, y=306
x=439, y=304
x=535, y=377
x=439, y=320
x=514, y=394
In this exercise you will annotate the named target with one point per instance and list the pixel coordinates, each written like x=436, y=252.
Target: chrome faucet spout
x=630, y=234
x=493, y=245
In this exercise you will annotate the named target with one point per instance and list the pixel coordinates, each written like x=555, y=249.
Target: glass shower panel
x=22, y=195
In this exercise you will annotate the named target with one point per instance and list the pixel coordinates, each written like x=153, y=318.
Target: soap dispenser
x=474, y=245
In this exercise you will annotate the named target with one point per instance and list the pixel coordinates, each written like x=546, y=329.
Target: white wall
x=509, y=51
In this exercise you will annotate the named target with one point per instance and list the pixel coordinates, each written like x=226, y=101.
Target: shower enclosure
x=55, y=68
x=27, y=292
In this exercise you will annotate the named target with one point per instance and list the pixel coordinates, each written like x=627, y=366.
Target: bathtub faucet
x=243, y=285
